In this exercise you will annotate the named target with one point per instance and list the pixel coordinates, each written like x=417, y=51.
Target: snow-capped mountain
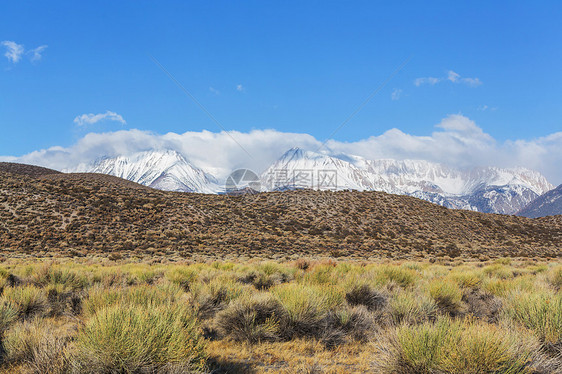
x=485, y=189
x=165, y=170
x=549, y=204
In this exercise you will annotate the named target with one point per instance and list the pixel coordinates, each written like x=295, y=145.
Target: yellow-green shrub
x=400, y=275
x=132, y=338
x=27, y=300
x=538, y=311
x=457, y=347
x=446, y=294
x=410, y=308
x=145, y=296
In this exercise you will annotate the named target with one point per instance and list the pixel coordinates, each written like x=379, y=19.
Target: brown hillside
x=93, y=180
x=24, y=169
x=76, y=214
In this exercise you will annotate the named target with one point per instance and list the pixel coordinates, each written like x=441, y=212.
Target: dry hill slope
x=76, y=214
x=24, y=169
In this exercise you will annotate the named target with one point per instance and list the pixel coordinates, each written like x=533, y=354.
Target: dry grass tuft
x=458, y=347
x=135, y=339
x=255, y=318
x=368, y=297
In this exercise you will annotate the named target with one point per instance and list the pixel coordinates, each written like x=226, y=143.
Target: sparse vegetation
x=99, y=275
x=46, y=215
x=415, y=317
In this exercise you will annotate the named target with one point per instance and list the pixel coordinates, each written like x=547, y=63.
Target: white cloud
x=14, y=51
x=483, y=108
x=240, y=88
x=214, y=90
x=473, y=82
x=396, y=94
x=36, y=53
x=428, y=80
x=90, y=119
x=456, y=141
x=451, y=77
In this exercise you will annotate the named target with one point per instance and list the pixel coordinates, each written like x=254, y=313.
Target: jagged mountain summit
x=485, y=189
x=549, y=204
x=164, y=170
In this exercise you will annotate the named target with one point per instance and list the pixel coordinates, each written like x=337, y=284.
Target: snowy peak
x=297, y=168
x=486, y=189
x=166, y=170
x=549, y=204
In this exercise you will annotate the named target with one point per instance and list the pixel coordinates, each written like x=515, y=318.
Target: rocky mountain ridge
x=484, y=189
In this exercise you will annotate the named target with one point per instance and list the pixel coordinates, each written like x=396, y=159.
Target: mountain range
x=484, y=189
x=53, y=215
x=549, y=204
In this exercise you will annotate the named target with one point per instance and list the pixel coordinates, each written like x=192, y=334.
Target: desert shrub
x=467, y=279
x=498, y=271
x=460, y=346
x=49, y=356
x=215, y=296
x=51, y=275
x=483, y=348
x=109, y=277
x=263, y=281
x=410, y=308
x=8, y=314
x=402, y=276
x=253, y=318
x=37, y=346
x=347, y=324
x=134, y=339
x=412, y=266
x=3, y=283
x=366, y=296
x=224, y=266
x=503, y=261
x=274, y=268
x=142, y=276
x=306, y=306
x=28, y=300
x=4, y=273
x=537, y=269
x=538, y=311
x=321, y=274
x=483, y=305
x=62, y=301
x=498, y=287
x=143, y=296
x=414, y=349
x=20, y=340
x=302, y=264
x=182, y=276
x=447, y=295
x=555, y=277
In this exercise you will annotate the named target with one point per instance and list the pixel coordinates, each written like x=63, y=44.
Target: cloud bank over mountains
x=457, y=141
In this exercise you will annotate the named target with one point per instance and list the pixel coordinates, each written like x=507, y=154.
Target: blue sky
x=292, y=66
